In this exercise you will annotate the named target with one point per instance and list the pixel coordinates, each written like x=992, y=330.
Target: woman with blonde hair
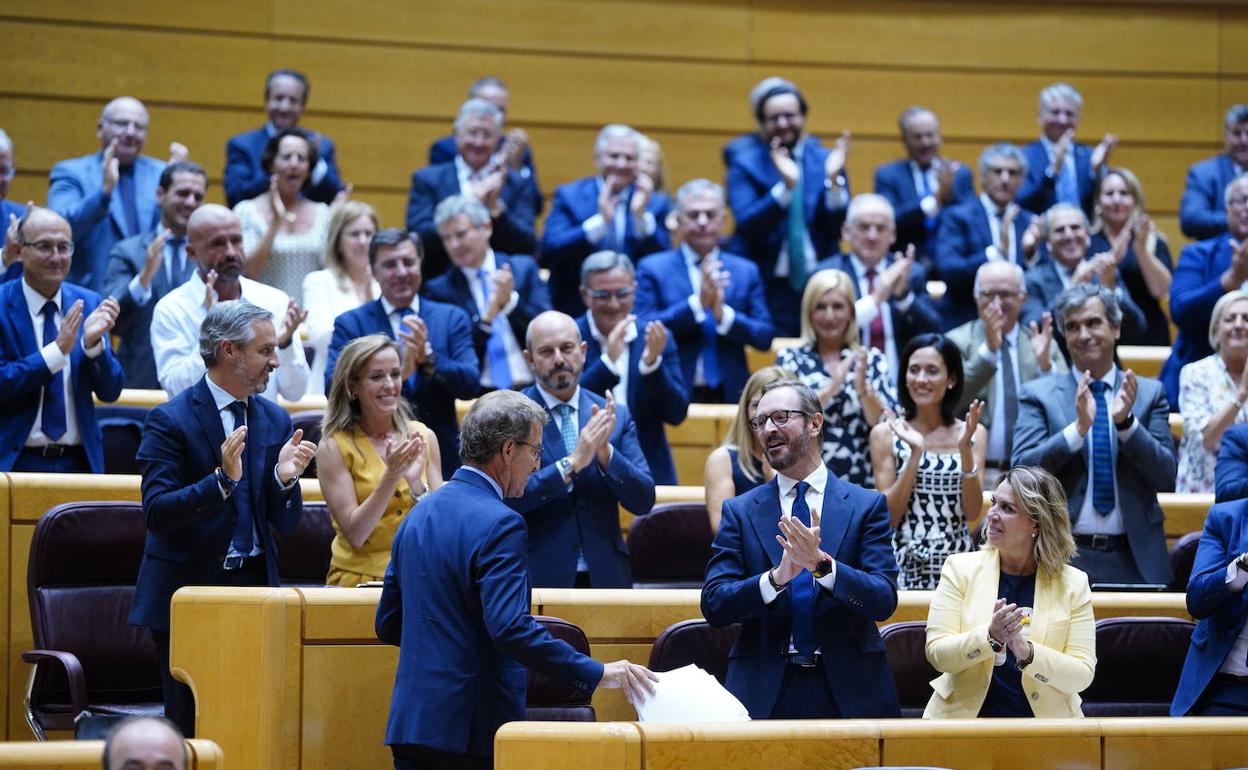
x=1011, y=625
x=374, y=460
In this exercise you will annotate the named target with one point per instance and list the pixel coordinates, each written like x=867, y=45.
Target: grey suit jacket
x=1145, y=464
x=980, y=375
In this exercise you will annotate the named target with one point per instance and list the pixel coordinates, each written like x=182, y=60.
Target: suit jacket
x=895, y=181
x=855, y=532
x=1039, y=190
x=920, y=317
x=457, y=373
x=1044, y=286
x=961, y=243
x=563, y=521
x=514, y=230
x=189, y=524
x=663, y=291
x=1219, y=613
x=23, y=375
x=452, y=288
x=565, y=246
x=75, y=191
x=1195, y=289
x=1063, y=636
x=463, y=648
x=134, y=322
x=1145, y=464
x=245, y=178
x=1231, y=472
x=655, y=399
x=444, y=150
x=1202, y=210
x=980, y=377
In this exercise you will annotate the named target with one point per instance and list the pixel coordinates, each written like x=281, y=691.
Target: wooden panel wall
x=388, y=75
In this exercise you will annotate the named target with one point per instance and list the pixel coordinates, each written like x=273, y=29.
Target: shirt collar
x=860, y=267
x=1110, y=377
x=35, y=301
x=270, y=130
x=552, y=401
x=498, y=490
x=389, y=308
x=818, y=480
x=487, y=265
x=629, y=335
x=219, y=395
x=691, y=257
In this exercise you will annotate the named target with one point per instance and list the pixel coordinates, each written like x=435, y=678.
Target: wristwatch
x=994, y=644
x=564, y=464
x=823, y=567
x=228, y=485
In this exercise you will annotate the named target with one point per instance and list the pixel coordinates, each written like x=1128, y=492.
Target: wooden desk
x=150, y=398
x=85, y=755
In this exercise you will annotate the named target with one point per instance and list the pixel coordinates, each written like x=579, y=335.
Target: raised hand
x=71, y=322
x=487, y=190
x=656, y=341
x=604, y=444
x=100, y=322
x=232, y=453
x=1085, y=405
x=643, y=187
x=1121, y=243
x=502, y=284
x=897, y=275
x=290, y=323
x=907, y=433
x=110, y=168
x=1006, y=236
x=178, y=152
x=1007, y=620
x=276, y=206
x=968, y=427
x=785, y=165
x=946, y=173
x=154, y=258
x=210, y=289
x=994, y=326
x=514, y=146
x=1124, y=399
x=1042, y=340
x=835, y=164
x=1100, y=153
x=1062, y=149
x=12, y=248
x=615, y=337
x=414, y=335
x=1031, y=238
x=858, y=369
x=398, y=457
x=294, y=457
x=608, y=198
x=342, y=197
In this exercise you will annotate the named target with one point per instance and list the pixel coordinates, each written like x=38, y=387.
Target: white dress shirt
x=619, y=366
x=1089, y=522
x=56, y=361
x=595, y=227
x=818, y=481
x=996, y=250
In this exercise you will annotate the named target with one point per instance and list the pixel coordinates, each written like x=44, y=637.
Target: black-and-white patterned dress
x=933, y=527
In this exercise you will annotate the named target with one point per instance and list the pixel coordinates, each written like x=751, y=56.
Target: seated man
x=636, y=361
x=617, y=210
x=285, y=97
x=591, y=464
x=476, y=170
x=1202, y=212
x=1105, y=434
x=500, y=292
x=711, y=300
x=1059, y=169
x=54, y=357
x=214, y=240
x=512, y=147
x=439, y=364
x=143, y=269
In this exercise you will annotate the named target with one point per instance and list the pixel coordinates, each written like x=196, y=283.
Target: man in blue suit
x=617, y=210
x=500, y=292
x=439, y=364
x=635, y=361
x=923, y=184
x=54, y=356
x=1231, y=472
x=712, y=301
x=805, y=564
x=220, y=467
x=785, y=188
x=510, y=197
x=146, y=267
x=285, y=97
x=9, y=211
x=464, y=646
x=591, y=464
x=111, y=194
x=1059, y=169
x=1202, y=211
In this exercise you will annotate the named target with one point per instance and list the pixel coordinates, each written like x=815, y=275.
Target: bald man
x=145, y=743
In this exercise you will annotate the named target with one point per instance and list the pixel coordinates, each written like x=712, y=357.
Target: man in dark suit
x=892, y=304
x=1202, y=211
x=54, y=357
x=10, y=212
x=439, y=364
x=617, y=210
x=636, y=361
x=805, y=564
x=921, y=185
x=1105, y=434
x=712, y=301
x=591, y=464
x=784, y=186
x=500, y=292
x=1059, y=169
x=146, y=267
x=989, y=228
x=285, y=97
x=220, y=466
x=455, y=687
x=1231, y=472
x=477, y=170
x=513, y=146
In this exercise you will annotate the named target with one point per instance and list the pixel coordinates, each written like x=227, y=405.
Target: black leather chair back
x=670, y=546
x=1138, y=662
x=905, y=645
x=554, y=700
x=303, y=553
x=696, y=642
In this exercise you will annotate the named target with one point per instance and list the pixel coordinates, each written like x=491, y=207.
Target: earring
x=1034, y=535
x=351, y=396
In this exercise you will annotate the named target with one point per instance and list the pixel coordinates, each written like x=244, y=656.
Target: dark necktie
x=1067, y=185
x=803, y=586
x=796, y=233
x=1009, y=391
x=875, y=332
x=243, y=539
x=177, y=261
x=1102, y=453
x=53, y=424
x=129, y=204
x=495, y=349
x=929, y=223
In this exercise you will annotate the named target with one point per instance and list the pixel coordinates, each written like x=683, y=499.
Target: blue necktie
x=243, y=540
x=177, y=261
x=710, y=349
x=803, y=586
x=567, y=428
x=797, y=237
x=495, y=349
x=1067, y=186
x=53, y=424
x=929, y=223
x=1102, y=453
x=125, y=184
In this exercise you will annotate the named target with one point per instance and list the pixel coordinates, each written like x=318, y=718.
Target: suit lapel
x=835, y=516
x=635, y=349
x=459, y=283
x=209, y=418
x=982, y=225
x=379, y=318
x=812, y=177
x=763, y=519
x=1043, y=609
x=20, y=318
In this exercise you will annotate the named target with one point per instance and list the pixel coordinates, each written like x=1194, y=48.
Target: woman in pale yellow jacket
x=1011, y=625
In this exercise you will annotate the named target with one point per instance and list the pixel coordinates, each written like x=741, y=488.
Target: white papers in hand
x=690, y=694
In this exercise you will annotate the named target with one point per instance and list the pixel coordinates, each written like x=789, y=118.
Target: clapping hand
x=1100, y=153
x=1124, y=399
x=403, y=456
x=71, y=322
x=800, y=542
x=294, y=457
x=906, y=432
x=785, y=165
x=615, y=337
x=178, y=152
x=110, y=167
x=232, y=453
x=656, y=341
x=1042, y=340
x=835, y=164
x=100, y=322
x=290, y=322
x=643, y=187
x=414, y=334
x=970, y=425
x=1085, y=404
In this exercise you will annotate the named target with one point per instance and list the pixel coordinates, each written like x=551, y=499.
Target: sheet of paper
x=690, y=694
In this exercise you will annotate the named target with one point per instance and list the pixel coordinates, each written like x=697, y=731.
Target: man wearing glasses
x=805, y=564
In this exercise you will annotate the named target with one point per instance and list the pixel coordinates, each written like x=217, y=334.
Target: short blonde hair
x=1219, y=309
x=342, y=412
x=740, y=435
x=1041, y=497
x=819, y=284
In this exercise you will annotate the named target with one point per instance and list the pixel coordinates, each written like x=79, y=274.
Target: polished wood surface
x=85, y=755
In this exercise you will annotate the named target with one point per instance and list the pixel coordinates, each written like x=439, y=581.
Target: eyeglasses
x=46, y=248
x=1004, y=296
x=779, y=418
x=1238, y=201
x=534, y=448
x=138, y=126
x=602, y=295
x=7, y=173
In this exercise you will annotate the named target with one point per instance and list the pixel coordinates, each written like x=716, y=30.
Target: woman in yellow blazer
x=1011, y=626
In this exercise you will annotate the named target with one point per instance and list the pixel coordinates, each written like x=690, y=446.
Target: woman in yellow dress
x=374, y=460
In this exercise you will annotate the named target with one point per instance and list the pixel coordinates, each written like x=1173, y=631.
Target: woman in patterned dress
x=852, y=381
x=928, y=463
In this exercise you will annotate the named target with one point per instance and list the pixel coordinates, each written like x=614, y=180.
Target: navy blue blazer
x=189, y=524
x=245, y=178
x=1044, y=286
x=663, y=291
x=75, y=191
x=444, y=150
x=895, y=181
x=23, y=375
x=1219, y=613
x=1202, y=210
x=961, y=242
x=515, y=230
x=456, y=375
x=8, y=207
x=463, y=647
x=1194, y=290
x=855, y=532
x=657, y=399
x=920, y=318
x=565, y=247
x=1039, y=190
x=1157, y=322
x=588, y=516
x=1230, y=474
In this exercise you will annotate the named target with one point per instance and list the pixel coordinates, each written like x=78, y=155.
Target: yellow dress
x=350, y=566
